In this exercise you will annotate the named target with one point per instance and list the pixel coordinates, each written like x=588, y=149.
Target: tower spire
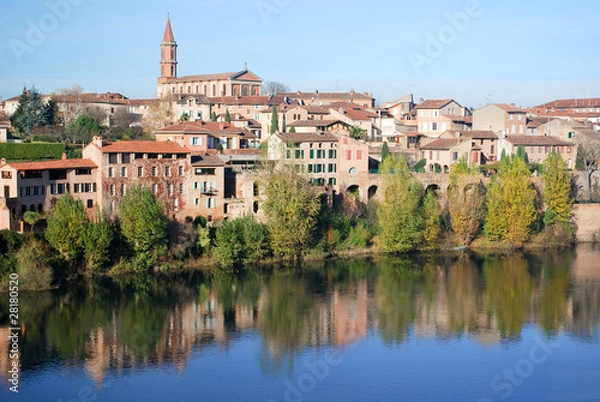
x=168, y=37
x=168, y=54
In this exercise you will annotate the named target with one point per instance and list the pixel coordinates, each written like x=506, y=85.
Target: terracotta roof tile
x=207, y=160
x=54, y=164
x=479, y=135
x=441, y=144
x=539, y=140
x=158, y=147
x=307, y=137
x=239, y=100
x=433, y=103
x=314, y=123
x=508, y=108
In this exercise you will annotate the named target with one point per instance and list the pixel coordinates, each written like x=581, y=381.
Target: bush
x=33, y=266
x=240, y=241
x=31, y=152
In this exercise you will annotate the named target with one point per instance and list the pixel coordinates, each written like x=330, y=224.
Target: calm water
x=478, y=328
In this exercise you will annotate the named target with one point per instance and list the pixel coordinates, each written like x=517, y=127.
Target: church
x=241, y=83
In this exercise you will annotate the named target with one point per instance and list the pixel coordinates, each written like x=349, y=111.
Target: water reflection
x=128, y=323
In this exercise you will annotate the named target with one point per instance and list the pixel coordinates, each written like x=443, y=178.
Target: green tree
x=97, y=238
x=557, y=190
x=31, y=218
x=292, y=130
x=385, y=150
x=33, y=265
x=83, y=129
x=184, y=117
x=67, y=221
x=398, y=213
x=510, y=201
x=29, y=112
x=213, y=116
x=430, y=210
x=291, y=208
x=227, y=116
x=466, y=202
x=357, y=133
x=51, y=112
x=143, y=222
x=241, y=240
x=274, y=121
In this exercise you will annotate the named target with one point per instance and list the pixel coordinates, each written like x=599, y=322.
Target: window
x=154, y=188
x=123, y=172
x=112, y=158
x=170, y=188
x=110, y=172
x=359, y=155
x=511, y=116
x=6, y=175
x=154, y=171
x=112, y=189
x=83, y=171
x=123, y=190
x=140, y=171
x=167, y=171
x=125, y=158
x=454, y=156
x=180, y=188
x=90, y=203
x=57, y=174
x=434, y=126
x=204, y=171
x=196, y=141
x=76, y=187
x=348, y=155
x=312, y=154
x=180, y=170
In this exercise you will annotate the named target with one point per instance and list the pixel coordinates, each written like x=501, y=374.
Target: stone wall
x=587, y=218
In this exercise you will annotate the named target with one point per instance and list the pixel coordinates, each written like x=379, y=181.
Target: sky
x=474, y=51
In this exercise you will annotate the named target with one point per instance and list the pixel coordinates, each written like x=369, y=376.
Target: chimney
x=97, y=140
x=2, y=161
x=64, y=156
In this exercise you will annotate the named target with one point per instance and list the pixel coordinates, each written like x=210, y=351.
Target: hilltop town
x=204, y=135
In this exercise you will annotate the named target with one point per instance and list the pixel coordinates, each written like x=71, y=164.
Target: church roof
x=245, y=75
x=168, y=32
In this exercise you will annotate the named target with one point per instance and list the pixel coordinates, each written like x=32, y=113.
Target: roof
x=405, y=99
x=536, y=140
x=479, y=135
x=307, y=137
x=168, y=37
x=441, y=144
x=220, y=76
x=314, y=123
x=332, y=95
x=207, y=160
x=236, y=100
x=456, y=118
x=433, y=103
x=54, y=164
x=200, y=127
x=571, y=103
x=151, y=147
x=508, y=108
x=352, y=111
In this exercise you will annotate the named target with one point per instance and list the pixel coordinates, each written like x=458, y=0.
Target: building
x=327, y=98
x=162, y=167
x=400, y=107
x=436, y=116
x=320, y=126
x=441, y=153
x=248, y=107
x=538, y=147
x=4, y=128
x=485, y=141
x=500, y=118
x=242, y=83
x=35, y=186
x=208, y=136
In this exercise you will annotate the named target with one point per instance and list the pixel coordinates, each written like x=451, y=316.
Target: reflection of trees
x=464, y=295
x=396, y=297
x=552, y=302
x=508, y=292
x=286, y=317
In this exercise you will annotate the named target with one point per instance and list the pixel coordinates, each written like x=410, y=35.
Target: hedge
x=31, y=152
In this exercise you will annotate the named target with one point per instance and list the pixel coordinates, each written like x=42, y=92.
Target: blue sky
x=509, y=51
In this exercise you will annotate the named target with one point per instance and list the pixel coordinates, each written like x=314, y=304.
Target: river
x=519, y=327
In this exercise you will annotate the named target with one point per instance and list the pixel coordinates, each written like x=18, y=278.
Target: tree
x=291, y=208
x=274, y=121
x=159, y=114
x=97, y=238
x=274, y=87
x=143, y=222
x=240, y=240
x=357, y=132
x=33, y=266
x=466, y=202
x=29, y=112
x=31, y=217
x=67, y=221
x=430, y=210
x=510, y=201
x=51, y=112
x=72, y=103
x=227, y=116
x=292, y=130
x=83, y=129
x=398, y=213
x=588, y=157
x=184, y=117
x=213, y=116
x=557, y=190
x=385, y=150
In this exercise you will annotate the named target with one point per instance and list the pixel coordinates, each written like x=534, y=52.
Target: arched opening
x=354, y=190
x=446, y=169
x=255, y=189
x=255, y=207
x=353, y=170
x=433, y=188
x=372, y=192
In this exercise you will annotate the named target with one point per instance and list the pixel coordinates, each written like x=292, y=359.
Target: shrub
x=33, y=266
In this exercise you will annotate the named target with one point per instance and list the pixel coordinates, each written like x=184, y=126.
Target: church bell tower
x=168, y=55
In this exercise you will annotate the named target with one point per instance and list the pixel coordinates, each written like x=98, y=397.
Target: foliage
x=33, y=265
x=29, y=112
x=97, y=238
x=274, y=121
x=274, y=87
x=67, y=221
x=183, y=237
x=184, y=117
x=31, y=218
x=357, y=133
x=143, y=222
x=385, y=150
x=588, y=157
x=291, y=207
x=51, y=112
x=241, y=240
x=430, y=210
x=557, y=190
x=31, y=152
x=227, y=116
x=510, y=201
x=398, y=214
x=292, y=130
x=466, y=202
x=159, y=114
x=420, y=166
x=213, y=116
x=82, y=129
